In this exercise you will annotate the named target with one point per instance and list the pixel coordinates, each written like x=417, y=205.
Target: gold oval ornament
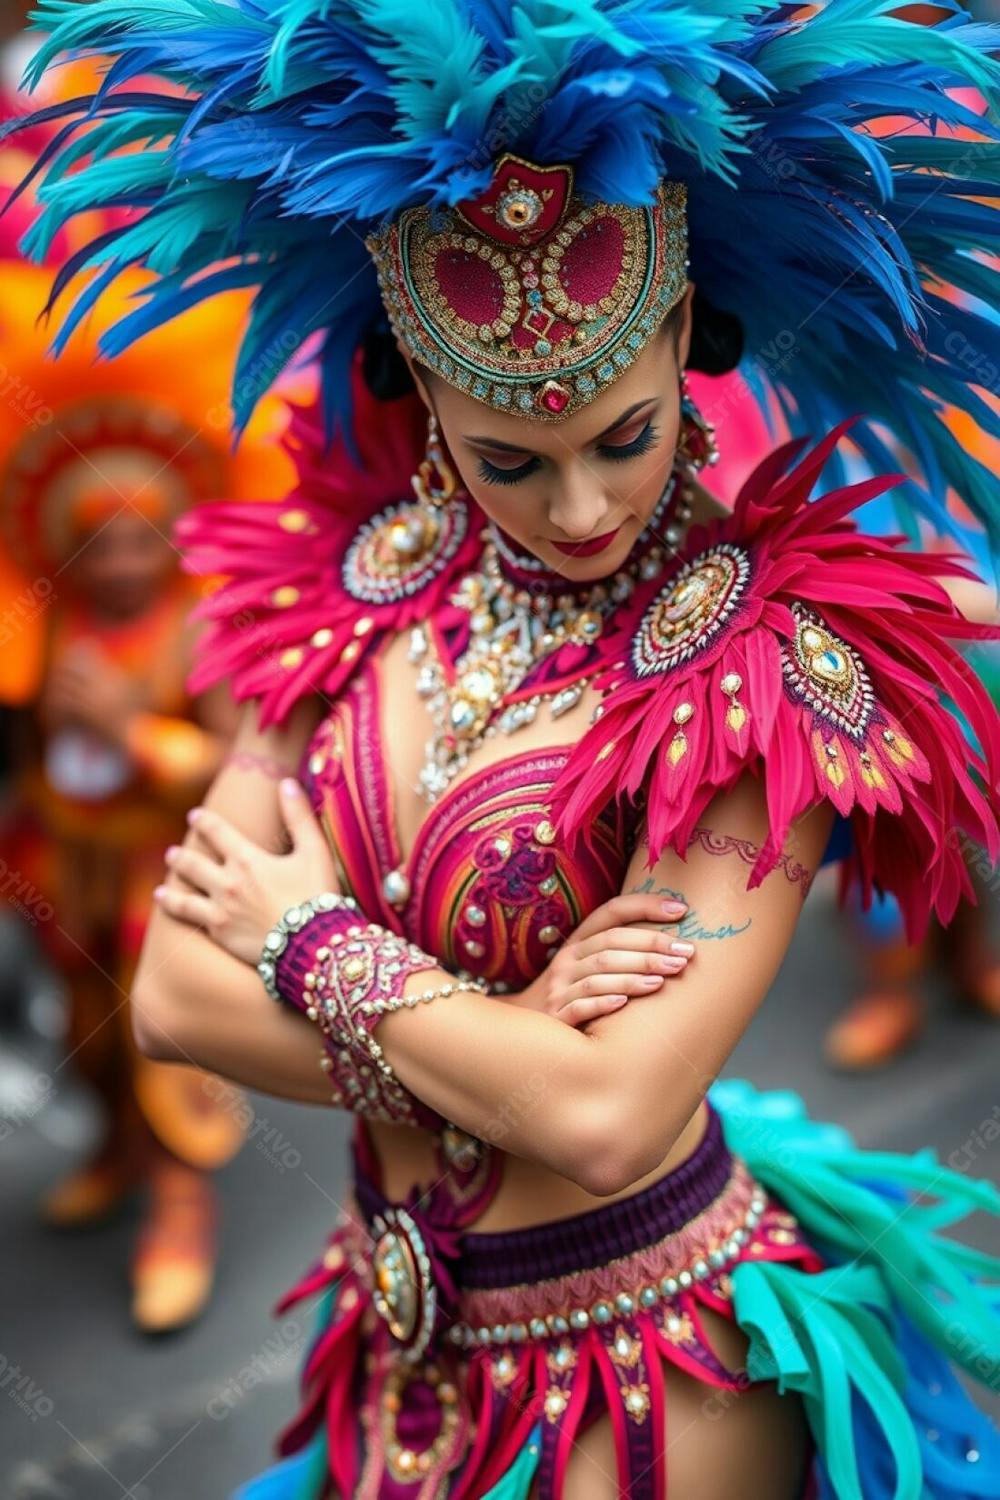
x=397, y=1284
x=403, y=1294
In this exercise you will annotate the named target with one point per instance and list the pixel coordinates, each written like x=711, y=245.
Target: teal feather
x=166, y=240
x=853, y=34
x=827, y=1182
x=107, y=182
x=130, y=129
x=826, y=1337
x=104, y=28
x=323, y=118
x=515, y=1484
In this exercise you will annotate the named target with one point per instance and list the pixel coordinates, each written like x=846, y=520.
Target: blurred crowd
x=103, y=748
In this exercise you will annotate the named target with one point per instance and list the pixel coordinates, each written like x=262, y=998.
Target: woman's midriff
x=528, y=1194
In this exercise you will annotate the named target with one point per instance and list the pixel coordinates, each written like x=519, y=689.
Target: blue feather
x=302, y=124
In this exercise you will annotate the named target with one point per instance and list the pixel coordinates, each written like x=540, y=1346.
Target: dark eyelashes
x=641, y=444
x=649, y=435
x=490, y=474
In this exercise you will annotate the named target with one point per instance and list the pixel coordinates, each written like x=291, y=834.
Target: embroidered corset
x=488, y=888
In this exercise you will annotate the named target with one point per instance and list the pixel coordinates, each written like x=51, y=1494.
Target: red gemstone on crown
x=554, y=397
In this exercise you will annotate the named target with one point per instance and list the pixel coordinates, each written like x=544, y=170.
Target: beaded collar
x=533, y=637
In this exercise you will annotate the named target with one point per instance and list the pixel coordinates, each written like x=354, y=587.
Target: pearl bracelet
x=292, y=920
x=383, y=1007
x=397, y=1002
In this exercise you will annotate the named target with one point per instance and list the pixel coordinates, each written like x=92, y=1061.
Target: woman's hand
x=605, y=961
x=240, y=890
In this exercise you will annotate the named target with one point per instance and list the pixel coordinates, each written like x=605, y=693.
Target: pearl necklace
x=512, y=630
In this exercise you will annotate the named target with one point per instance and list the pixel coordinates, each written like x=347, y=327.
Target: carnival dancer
x=95, y=466
x=574, y=740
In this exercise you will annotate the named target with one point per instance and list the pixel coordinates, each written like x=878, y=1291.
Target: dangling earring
x=697, y=445
x=435, y=481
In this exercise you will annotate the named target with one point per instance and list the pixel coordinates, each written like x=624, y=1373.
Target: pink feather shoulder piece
x=788, y=643
x=312, y=583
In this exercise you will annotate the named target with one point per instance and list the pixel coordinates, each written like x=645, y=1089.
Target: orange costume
x=112, y=748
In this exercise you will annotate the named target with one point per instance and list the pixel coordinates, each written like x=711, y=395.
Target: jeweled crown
x=526, y=297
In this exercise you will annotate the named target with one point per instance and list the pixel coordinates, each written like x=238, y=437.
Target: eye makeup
x=491, y=473
x=636, y=446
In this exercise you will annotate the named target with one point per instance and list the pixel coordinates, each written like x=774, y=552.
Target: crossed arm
x=611, y=1098
x=614, y=1097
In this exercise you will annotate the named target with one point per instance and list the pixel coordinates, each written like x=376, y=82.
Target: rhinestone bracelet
x=344, y=973
x=359, y=963
x=293, y=919
x=372, y=1088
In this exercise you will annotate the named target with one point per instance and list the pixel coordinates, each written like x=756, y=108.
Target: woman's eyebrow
x=489, y=442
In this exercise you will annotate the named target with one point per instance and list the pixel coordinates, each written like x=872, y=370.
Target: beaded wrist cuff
x=295, y=918
x=345, y=974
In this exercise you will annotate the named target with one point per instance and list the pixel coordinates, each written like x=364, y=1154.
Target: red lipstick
x=591, y=545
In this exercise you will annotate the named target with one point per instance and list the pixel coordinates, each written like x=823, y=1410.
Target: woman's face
x=123, y=564
x=559, y=488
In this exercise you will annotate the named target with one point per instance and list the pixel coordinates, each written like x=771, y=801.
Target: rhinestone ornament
x=691, y=609
x=512, y=632
x=399, y=551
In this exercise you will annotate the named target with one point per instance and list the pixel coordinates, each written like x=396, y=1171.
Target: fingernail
x=194, y=815
x=171, y=851
x=674, y=965
x=685, y=950
x=663, y=965
x=160, y=890
x=673, y=908
x=290, y=787
x=650, y=982
x=617, y=1000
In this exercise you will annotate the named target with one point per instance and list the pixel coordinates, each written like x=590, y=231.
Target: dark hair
x=716, y=347
x=386, y=372
x=717, y=337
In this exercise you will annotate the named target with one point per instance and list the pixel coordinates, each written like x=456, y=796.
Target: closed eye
x=640, y=444
x=492, y=473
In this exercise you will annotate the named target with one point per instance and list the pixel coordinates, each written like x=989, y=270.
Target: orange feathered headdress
x=81, y=438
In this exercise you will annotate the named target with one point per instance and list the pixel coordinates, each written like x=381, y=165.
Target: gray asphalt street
x=91, y=1411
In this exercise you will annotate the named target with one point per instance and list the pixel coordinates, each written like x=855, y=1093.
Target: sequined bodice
x=486, y=888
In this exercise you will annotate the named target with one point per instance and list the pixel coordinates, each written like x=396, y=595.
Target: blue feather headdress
x=861, y=263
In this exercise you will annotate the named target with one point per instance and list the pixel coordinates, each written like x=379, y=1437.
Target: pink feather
x=905, y=774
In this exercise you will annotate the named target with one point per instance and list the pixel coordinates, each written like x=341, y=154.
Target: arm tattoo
x=725, y=843
x=246, y=760
x=689, y=926
x=748, y=851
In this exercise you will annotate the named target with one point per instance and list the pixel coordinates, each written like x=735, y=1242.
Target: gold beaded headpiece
x=526, y=297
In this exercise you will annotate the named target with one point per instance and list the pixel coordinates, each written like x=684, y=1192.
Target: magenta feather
x=911, y=782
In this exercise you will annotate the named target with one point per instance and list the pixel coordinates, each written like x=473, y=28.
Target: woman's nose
x=580, y=507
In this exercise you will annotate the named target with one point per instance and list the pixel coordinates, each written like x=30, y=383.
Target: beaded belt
x=471, y=1339
x=548, y=1279
x=704, y=1247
